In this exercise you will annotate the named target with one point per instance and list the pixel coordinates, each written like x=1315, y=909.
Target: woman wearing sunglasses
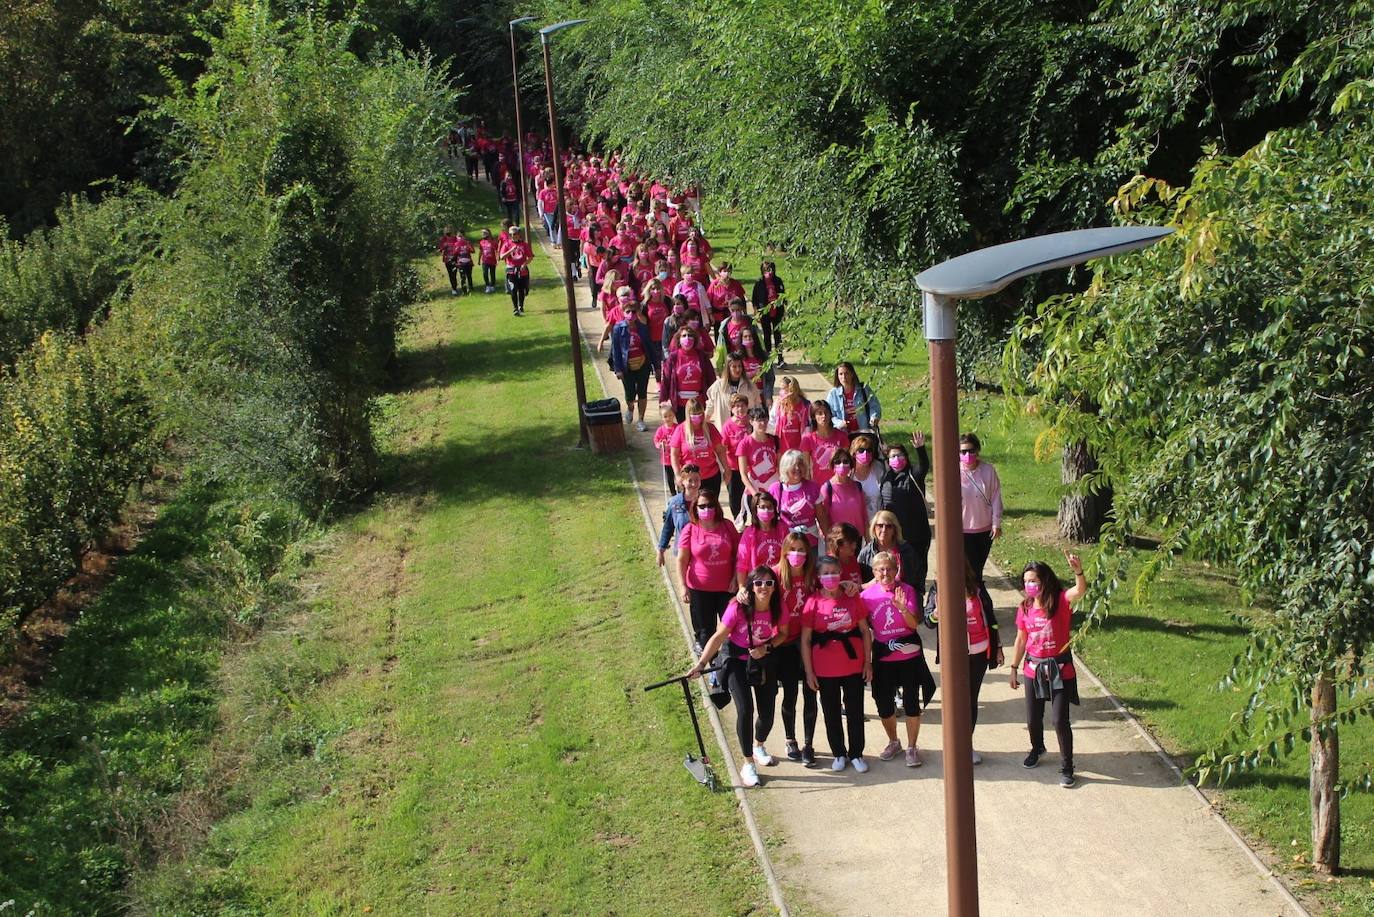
x=885, y=535
x=982, y=493
x=754, y=626
x=706, y=564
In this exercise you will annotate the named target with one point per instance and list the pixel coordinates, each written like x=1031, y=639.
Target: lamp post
x=544, y=35
x=973, y=276
x=519, y=130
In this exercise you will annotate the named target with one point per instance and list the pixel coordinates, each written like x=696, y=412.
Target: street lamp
x=519, y=131
x=544, y=35
x=973, y=276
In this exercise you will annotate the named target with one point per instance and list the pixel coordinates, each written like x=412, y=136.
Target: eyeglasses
x=762, y=583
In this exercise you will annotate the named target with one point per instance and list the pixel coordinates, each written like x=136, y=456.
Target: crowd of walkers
x=799, y=525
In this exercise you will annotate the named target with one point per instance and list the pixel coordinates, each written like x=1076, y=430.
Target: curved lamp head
x=521, y=21
x=466, y=20
x=550, y=30
x=989, y=270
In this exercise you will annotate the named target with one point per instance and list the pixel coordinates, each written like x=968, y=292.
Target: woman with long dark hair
x=1042, y=656
x=755, y=626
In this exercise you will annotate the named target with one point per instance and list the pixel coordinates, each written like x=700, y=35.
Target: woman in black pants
x=984, y=640
x=1042, y=642
x=836, y=648
x=769, y=308
x=797, y=583
x=754, y=627
x=902, y=492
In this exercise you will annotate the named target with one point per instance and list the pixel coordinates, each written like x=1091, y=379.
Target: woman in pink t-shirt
x=842, y=496
x=836, y=647
x=760, y=542
x=984, y=640
x=822, y=441
x=1042, y=646
x=698, y=442
x=663, y=443
x=706, y=564
x=894, y=613
x=799, y=499
x=753, y=626
x=790, y=417
x=797, y=583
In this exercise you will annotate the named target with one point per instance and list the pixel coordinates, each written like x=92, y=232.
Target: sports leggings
x=1035, y=722
x=749, y=700
x=851, y=687
x=793, y=679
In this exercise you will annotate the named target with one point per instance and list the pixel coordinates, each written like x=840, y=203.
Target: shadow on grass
x=1147, y=624
x=1024, y=513
x=498, y=360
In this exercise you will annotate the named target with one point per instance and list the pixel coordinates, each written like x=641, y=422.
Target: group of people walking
x=800, y=526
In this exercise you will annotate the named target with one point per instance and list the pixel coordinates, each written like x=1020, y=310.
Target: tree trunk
x=1325, y=801
x=1081, y=516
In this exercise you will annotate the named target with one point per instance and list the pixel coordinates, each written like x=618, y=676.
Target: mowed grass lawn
x=1163, y=657
x=466, y=684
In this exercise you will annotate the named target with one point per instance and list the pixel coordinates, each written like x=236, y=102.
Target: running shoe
x=890, y=751
x=977, y=758
x=793, y=750
x=1032, y=759
x=453, y=292
x=629, y=416
x=641, y=426
x=748, y=775
x=913, y=757
x=838, y=763
x=808, y=756
x=860, y=766
x=1066, y=779
x=762, y=757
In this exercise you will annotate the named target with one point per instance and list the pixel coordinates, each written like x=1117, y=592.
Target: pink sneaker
x=890, y=752
x=913, y=757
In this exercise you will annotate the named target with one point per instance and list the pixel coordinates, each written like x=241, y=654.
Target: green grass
x=1164, y=657
x=462, y=699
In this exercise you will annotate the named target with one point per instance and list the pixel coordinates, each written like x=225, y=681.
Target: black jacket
x=904, y=493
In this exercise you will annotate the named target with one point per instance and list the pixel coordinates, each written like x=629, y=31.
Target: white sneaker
x=977, y=758
x=641, y=426
x=860, y=766
x=749, y=775
x=838, y=764
x=629, y=416
x=762, y=757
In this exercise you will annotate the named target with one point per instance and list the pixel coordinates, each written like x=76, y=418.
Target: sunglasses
x=968, y=451
x=761, y=583
x=882, y=525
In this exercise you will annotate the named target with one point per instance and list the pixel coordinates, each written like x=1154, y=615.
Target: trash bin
x=605, y=427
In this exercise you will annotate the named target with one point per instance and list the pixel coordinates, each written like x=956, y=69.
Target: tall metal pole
x=961, y=836
x=520, y=132
x=573, y=334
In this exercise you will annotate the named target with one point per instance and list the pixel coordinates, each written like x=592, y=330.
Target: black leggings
x=669, y=480
x=711, y=485
x=761, y=698
x=792, y=676
x=851, y=688
x=772, y=329
x=519, y=289
x=736, y=491
x=488, y=275
x=887, y=678
x=1035, y=722
x=977, y=547
x=452, y=268
x=977, y=668
x=705, y=609
x=465, y=273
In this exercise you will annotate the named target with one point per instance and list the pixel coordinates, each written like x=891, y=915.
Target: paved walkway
x=1129, y=839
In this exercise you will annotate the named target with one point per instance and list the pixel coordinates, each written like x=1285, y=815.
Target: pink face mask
x=830, y=580
x=863, y=457
x=697, y=419
x=766, y=516
x=896, y=463
x=968, y=458
x=1032, y=590
x=795, y=558
x=706, y=513
x=842, y=470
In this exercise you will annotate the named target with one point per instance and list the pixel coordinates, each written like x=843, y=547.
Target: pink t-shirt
x=1045, y=637
x=488, y=249
x=978, y=637
x=700, y=449
x=789, y=425
x=888, y=622
x=822, y=449
x=759, y=546
x=837, y=615
x=760, y=458
x=737, y=619
x=690, y=377
x=734, y=432
x=793, y=603
x=712, y=561
x=548, y=200
x=797, y=507
x=663, y=442
x=845, y=503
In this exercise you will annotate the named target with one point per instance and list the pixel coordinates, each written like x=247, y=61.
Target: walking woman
x=767, y=300
x=894, y=612
x=797, y=583
x=790, y=416
x=733, y=382
x=843, y=498
x=836, y=648
x=984, y=640
x=706, y=565
x=699, y=443
x=755, y=357
x=634, y=357
x=854, y=404
x=868, y=472
x=517, y=254
x=754, y=627
x=799, y=499
x=885, y=534
x=760, y=542
x=822, y=441
x=982, y=493
x=903, y=491
x=687, y=373
x=1042, y=656
x=757, y=458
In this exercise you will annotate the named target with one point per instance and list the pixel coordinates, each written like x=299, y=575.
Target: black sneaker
x=808, y=756
x=1066, y=779
x=793, y=751
x=1032, y=759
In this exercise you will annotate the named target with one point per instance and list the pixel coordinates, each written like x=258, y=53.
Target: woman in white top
x=733, y=381
x=868, y=471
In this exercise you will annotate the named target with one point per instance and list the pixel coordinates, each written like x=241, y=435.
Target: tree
x=1230, y=373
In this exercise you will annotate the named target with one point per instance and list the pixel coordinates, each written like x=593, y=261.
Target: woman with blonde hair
x=791, y=415
x=799, y=497
x=885, y=535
